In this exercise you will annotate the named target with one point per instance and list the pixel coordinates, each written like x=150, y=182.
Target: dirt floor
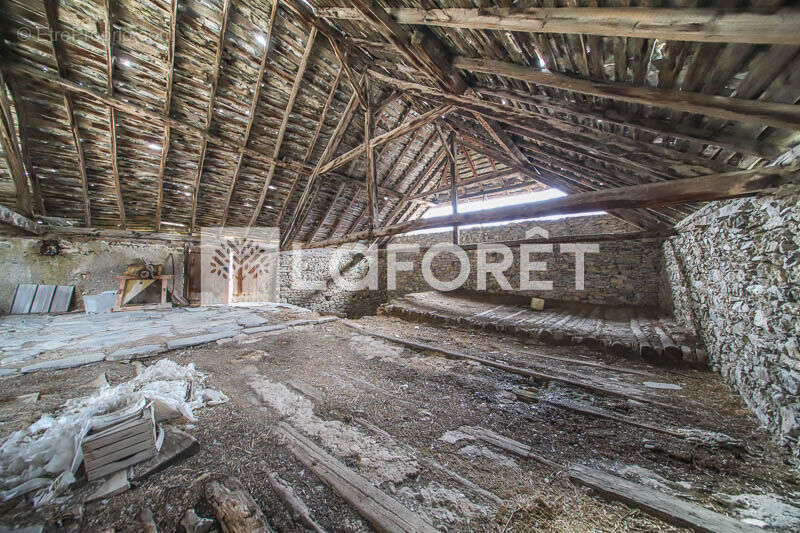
x=393, y=415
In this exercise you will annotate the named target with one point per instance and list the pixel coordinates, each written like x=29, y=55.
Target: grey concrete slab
x=23, y=298
x=64, y=362
x=62, y=299
x=8, y=372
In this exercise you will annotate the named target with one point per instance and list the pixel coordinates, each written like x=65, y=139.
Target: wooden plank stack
x=124, y=443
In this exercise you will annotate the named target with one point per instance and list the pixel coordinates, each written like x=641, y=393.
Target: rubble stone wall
x=734, y=275
x=89, y=265
x=619, y=273
x=624, y=273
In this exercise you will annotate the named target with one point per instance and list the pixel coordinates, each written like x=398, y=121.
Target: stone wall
x=620, y=273
x=312, y=267
x=88, y=265
x=625, y=273
x=734, y=275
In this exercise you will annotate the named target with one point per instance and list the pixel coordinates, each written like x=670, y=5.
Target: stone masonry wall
x=626, y=273
x=88, y=265
x=620, y=273
x=734, y=275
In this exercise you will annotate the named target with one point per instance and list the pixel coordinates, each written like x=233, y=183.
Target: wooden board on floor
x=23, y=298
x=672, y=509
x=379, y=509
x=43, y=298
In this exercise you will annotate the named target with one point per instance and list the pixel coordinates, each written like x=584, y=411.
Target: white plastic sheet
x=46, y=455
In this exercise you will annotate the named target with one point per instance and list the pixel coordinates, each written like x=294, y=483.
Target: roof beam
x=333, y=144
x=786, y=116
x=301, y=69
x=475, y=179
x=173, y=22
x=251, y=113
x=328, y=211
x=423, y=49
x=11, y=218
x=112, y=115
x=702, y=189
x=379, y=140
x=672, y=24
x=351, y=77
x=226, y=9
x=369, y=150
x=15, y=90
x=11, y=147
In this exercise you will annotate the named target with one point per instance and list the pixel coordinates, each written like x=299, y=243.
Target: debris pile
x=46, y=456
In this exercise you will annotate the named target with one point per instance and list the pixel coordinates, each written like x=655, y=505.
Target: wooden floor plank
x=383, y=512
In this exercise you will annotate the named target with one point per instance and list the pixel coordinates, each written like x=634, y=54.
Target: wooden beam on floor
x=252, y=111
x=380, y=510
x=301, y=69
x=669, y=24
x=786, y=116
x=173, y=34
x=702, y=189
x=535, y=375
x=226, y=8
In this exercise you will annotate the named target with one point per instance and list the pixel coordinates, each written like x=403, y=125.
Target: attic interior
x=289, y=265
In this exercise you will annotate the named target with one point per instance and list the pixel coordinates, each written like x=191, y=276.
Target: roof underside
x=252, y=111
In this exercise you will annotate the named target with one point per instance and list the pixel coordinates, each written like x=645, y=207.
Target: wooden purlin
x=676, y=24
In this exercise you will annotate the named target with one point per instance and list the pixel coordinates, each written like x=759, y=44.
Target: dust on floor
x=383, y=410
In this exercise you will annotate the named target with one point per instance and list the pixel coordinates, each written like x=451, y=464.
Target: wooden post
x=453, y=185
x=369, y=149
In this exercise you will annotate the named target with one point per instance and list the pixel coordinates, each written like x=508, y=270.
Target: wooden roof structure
x=332, y=117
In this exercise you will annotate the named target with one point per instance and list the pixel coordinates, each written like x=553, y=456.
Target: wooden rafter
x=330, y=149
x=379, y=140
x=37, y=205
x=312, y=144
x=112, y=114
x=301, y=69
x=226, y=7
x=10, y=143
x=779, y=115
x=328, y=211
x=252, y=112
x=51, y=11
x=474, y=180
x=173, y=22
x=677, y=24
x=351, y=77
x=423, y=49
x=705, y=188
